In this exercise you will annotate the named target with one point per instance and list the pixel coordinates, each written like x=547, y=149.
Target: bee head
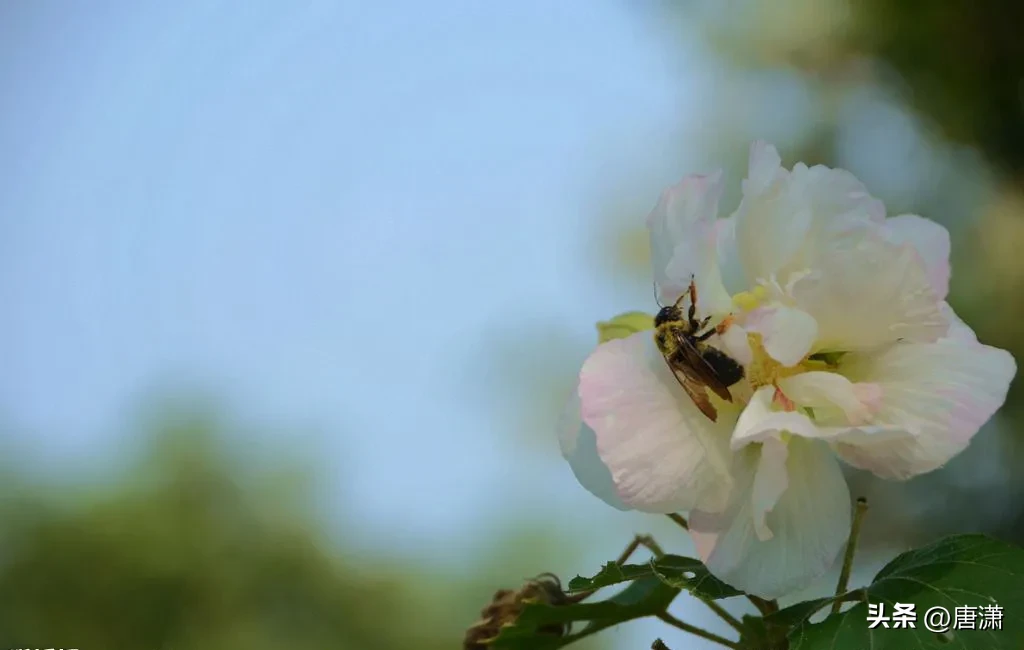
x=668, y=314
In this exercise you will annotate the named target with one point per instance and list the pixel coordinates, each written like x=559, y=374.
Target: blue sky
x=258, y=202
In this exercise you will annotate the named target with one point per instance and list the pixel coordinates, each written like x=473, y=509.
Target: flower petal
x=764, y=168
x=579, y=448
x=770, y=483
x=958, y=329
x=938, y=393
x=770, y=228
x=930, y=240
x=729, y=264
x=663, y=453
x=759, y=422
x=788, y=333
x=827, y=391
x=809, y=523
x=786, y=217
x=888, y=284
x=683, y=234
x=839, y=200
x=735, y=342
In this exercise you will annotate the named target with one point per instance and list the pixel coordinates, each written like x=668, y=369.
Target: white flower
x=849, y=351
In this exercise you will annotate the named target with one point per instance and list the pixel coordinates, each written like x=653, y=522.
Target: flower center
x=763, y=369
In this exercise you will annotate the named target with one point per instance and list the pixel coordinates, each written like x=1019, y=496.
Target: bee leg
x=693, y=304
x=706, y=335
x=717, y=329
x=701, y=325
x=725, y=324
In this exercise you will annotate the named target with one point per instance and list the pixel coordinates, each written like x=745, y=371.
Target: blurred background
x=293, y=292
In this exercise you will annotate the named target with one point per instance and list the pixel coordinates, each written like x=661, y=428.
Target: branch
x=696, y=631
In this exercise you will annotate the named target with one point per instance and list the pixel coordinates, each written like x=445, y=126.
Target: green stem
x=639, y=540
x=696, y=631
x=648, y=542
x=851, y=548
x=725, y=616
x=629, y=550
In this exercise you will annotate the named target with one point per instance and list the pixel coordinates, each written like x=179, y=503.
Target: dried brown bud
x=507, y=605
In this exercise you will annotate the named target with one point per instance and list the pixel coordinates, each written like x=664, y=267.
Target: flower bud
x=507, y=605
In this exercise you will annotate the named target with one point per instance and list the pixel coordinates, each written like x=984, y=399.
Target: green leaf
x=959, y=571
x=690, y=574
x=796, y=614
x=674, y=570
x=644, y=597
x=611, y=573
x=624, y=325
x=771, y=631
x=653, y=587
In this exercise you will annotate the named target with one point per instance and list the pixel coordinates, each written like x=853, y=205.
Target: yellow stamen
x=748, y=300
x=764, y=370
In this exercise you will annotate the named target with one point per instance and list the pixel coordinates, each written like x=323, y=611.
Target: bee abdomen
x=727, y=369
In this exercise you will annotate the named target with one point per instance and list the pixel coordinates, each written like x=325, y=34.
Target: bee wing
x=700, y=370
x=694, y=390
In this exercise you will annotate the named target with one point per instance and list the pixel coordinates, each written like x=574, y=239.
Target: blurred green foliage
x=187, y=551
x=962, y=63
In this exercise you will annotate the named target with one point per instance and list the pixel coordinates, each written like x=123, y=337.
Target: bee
x=696, y=365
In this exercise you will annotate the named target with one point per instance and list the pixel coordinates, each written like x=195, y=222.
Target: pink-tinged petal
x=930, y=240
x=663, y=453
x=939, y=394
x=683, y=235
x=886, y=282
x=809, y=523
x=759, y=422
x=579, y=448
x=958, y=329
x=825, y=392
x=694, y=198
x=788, y=334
